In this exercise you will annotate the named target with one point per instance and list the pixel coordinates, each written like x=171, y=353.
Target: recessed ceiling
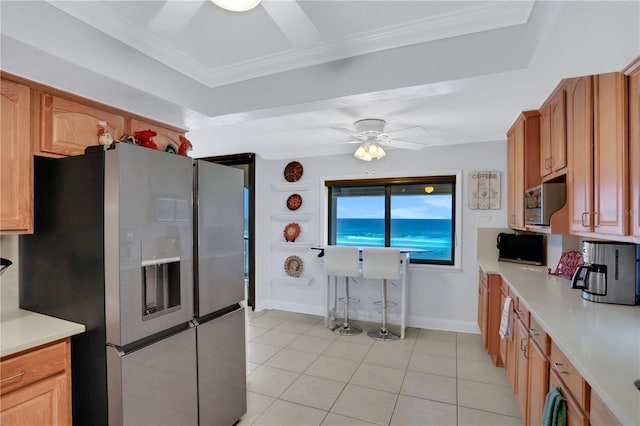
x=276, y=79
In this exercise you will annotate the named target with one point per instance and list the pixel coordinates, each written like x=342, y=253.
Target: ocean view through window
x=416, y=213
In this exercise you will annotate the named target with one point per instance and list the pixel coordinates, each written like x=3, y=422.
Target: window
x=414, y=213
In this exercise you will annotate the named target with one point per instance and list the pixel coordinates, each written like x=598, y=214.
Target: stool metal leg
x=346, y=329
x=383, y=333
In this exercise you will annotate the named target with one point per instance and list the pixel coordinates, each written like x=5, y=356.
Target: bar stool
x=381, y=263
x=343, y=261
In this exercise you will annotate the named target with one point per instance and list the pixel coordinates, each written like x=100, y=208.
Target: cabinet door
x=515, y=175
x=599, y=413
x=575, y=415
x=522, y=367
x=67, y=127
x=580, y=143
x=46, y=402
x=634, y=150
x=512, y=351
x=16, y=164
x=503, y=342
x=538, y=384
x=610, y=161
x=483, y=303
x=558, y=147
x=545, y=140
x=511, y=179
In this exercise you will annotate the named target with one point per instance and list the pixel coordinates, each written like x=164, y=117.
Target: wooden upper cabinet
x=580, y=144
x=67, y=127
x=16, y=165
x=165, y=134
x=634, y=148
x=610, y=160
x=553, y=134
x=523, y=157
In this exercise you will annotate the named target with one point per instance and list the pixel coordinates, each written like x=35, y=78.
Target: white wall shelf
x=293, y=245
x=292, y=280
x=296, y=217
x=290, y=187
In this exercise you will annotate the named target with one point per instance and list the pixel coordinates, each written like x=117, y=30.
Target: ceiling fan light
x=368, y=151
x=236, y=5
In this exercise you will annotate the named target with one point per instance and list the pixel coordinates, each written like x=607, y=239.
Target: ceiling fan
x=370, y=134
x=294, y=24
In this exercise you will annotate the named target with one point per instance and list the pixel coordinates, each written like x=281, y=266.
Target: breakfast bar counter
x=601, y=340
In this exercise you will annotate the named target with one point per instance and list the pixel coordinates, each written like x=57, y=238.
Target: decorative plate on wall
x=291, y=232
x=293, y=266
x=294, y=202
x=293, y=171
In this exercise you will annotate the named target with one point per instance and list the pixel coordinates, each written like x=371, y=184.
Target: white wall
x=439, y=297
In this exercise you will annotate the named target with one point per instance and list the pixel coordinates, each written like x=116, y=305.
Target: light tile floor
x=299, y=373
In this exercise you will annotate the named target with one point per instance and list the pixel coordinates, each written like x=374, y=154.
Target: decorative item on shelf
x=105, y=137
x=291, y=232
x=568, y=263
x=294, y=202
x=185, y=146
x=484, y=190
x=128, y=139
x=146, y=138
x=293, y=171
x=172, y=147
x=293, y=266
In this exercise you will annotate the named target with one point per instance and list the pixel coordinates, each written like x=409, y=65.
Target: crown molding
x=480, y=16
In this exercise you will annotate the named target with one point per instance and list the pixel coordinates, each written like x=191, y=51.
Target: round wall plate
x=294, y=201
x=293, y=171
x=293, y=266
x=291, y=232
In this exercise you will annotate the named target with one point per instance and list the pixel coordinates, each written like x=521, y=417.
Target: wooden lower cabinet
x=489, y=314
x=512, y=350
x=35, y=386
x=576, y=416
x=599, y=414
x=538, y=384
x=522, y=367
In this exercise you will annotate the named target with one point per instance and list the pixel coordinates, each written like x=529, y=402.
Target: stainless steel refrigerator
x=113, y=249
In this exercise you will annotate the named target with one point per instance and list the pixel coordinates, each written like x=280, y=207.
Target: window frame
x=453, y=178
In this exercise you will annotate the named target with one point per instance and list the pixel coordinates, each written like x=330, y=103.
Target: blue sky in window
x=402, y=207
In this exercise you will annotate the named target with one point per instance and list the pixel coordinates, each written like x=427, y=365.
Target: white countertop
x=21, y=330
x=602, y=341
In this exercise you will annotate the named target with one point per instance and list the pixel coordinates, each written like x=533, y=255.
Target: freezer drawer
x=155, y=385
x=222, y=370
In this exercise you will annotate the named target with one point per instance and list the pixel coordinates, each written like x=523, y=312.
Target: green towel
x=555, y=409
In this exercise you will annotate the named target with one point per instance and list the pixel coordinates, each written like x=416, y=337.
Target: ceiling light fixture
x=236, y=5
x=368, y=151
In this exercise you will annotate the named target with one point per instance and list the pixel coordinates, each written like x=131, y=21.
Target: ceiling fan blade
x=174, y=16
x=415, y=146
x=293, y=22
x=414, y=132
x=350, y=132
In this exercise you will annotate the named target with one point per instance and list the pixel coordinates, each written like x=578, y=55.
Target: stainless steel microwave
x=541, y=201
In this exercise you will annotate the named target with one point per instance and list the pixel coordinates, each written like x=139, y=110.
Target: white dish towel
x=505, y=323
